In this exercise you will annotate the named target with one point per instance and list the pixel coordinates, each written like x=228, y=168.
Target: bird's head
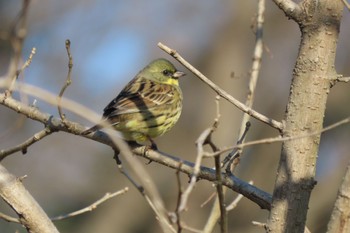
x=162, y=71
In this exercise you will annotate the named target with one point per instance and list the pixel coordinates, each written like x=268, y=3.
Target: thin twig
x=190, y=229
x=177, y=212
x=281, y=139
x=340, y=78
x=126, y=174
x=91, y=207
x=234, y=156
x=68, y=81
x=211, y=196
x=196, y=169
x=27, y=62
x=219, y=188
x=153, y=203
x=254, y=73
x=20, y=71
x=9, y=218
x=23, y=146
x=275, y=124
x=18, y=34
x=259, y=224
x=201, y=141
x=235, y=202
x=217, y=160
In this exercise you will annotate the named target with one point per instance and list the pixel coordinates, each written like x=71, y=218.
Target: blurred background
x=111, y=42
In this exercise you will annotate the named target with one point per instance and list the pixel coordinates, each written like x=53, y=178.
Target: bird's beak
x=178, y=74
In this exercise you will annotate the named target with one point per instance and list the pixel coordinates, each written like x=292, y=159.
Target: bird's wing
x=140, y=95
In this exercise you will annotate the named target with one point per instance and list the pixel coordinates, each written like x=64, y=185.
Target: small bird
x=148, y=106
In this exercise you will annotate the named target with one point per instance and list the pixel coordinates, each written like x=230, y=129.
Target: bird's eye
x=167, y=72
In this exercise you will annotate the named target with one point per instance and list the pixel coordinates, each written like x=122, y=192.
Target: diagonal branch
x=23, y=146
x=258, y=196
x=275, y=124
x=18, y=34
x=290, y=8
x=14, y=193
x=93, y=206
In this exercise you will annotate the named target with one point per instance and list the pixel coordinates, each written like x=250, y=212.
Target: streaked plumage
x=149, y=105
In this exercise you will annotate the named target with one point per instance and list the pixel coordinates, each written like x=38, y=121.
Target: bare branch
x=190, y=229
x=281, y=139
x=235, y=202
x=196, y=169
x=93, y=206
x=346, y=4
x=23, y=146
x=28, y=61
x=15, y=195
x=340, y=78
x=260, y=197
x=256, y=65
x=9, y=218
x=290, y=8
x=18, y=34
x=219, y=91
x=220, y=192
x=251, y=192
x=204, y=138
x=68, y=81
x=109, y=137
x=208, y=199
x=259, y=224
x=177, y=213
x=141, y=189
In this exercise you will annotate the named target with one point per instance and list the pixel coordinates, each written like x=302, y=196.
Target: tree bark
x=31, y=215
x=313, y=74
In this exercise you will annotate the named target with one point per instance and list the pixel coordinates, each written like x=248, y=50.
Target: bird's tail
x=91, y=130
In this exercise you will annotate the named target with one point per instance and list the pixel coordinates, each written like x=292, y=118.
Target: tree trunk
x=313, y=75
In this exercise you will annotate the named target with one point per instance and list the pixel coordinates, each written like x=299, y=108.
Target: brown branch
x=68, y=81
x=217, y=160
x=221, y=92
x=177, y=212
x=196, y=169
x=281, y=139
x=249, y=191
x=258, y=196
x=93, y=206
x=110, y=138
x=234, y=157
x=305, y=111
x=23, y=146
x=290, y=8
x=27, y=62
x=18, y=34
x=15, y=195
x=89, y=208
x=220, y=192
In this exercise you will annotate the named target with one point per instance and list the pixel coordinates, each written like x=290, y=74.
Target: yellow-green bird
x=148, y=106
